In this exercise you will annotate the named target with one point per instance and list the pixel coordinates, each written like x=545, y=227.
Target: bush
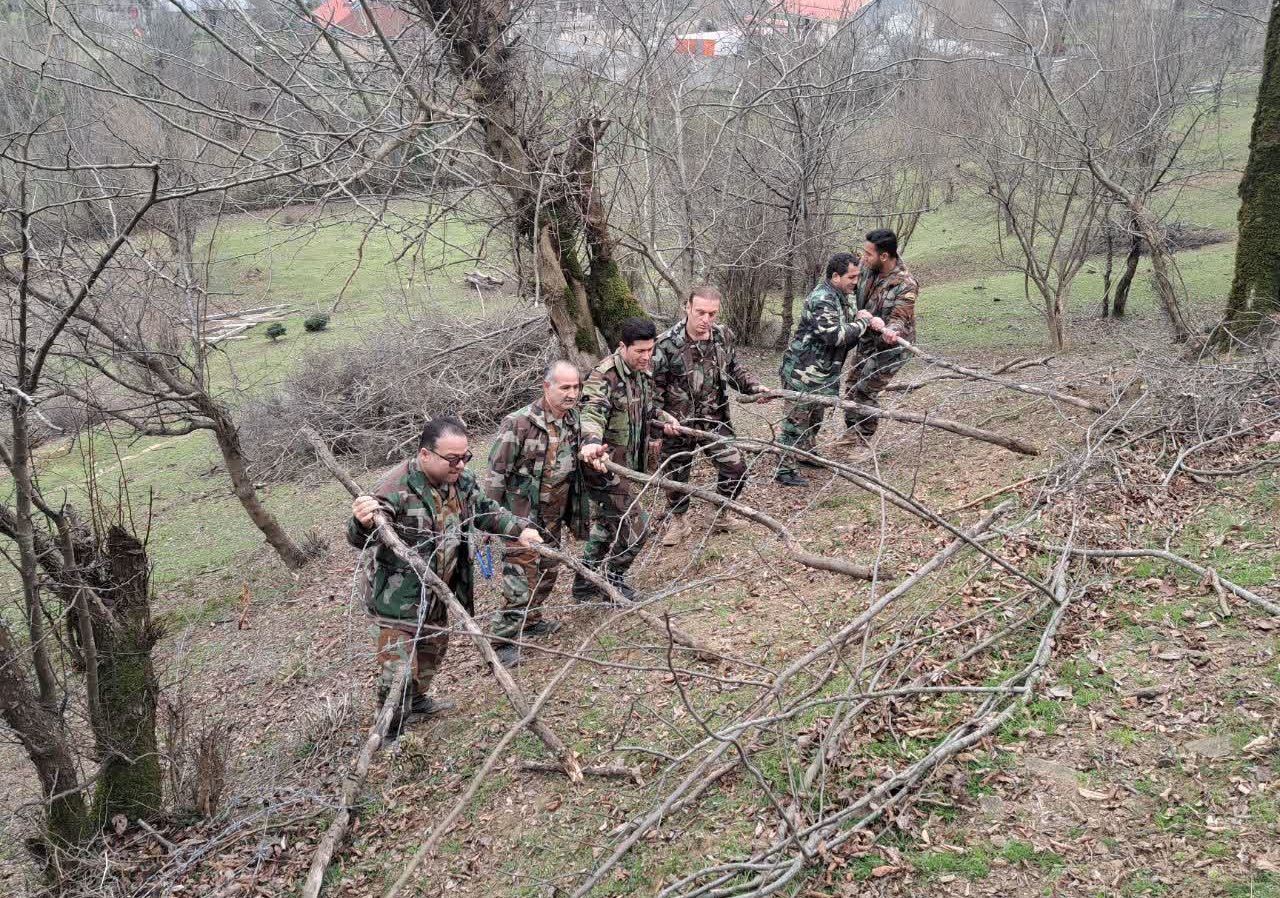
x=316, y=323
x=276, y=331
x=369, y=400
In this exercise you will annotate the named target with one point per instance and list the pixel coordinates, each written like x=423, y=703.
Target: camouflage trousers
x=619, y=526
x=400, y=642
x=527, y=580
x=677, y=464
x=869, y=374
x=800, y=429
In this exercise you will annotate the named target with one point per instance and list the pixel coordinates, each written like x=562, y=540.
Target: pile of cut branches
x=369, y=401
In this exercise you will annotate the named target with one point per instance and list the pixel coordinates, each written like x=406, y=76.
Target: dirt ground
x=1145, y=764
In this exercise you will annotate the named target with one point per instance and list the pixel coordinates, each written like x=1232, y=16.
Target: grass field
x=199, y=534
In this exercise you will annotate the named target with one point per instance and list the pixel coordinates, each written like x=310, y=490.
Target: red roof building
x=823, y=10
x=354, y=17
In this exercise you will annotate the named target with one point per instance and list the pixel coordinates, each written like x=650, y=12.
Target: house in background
x=362, y=20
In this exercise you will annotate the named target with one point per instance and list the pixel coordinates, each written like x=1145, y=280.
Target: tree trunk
x=566, y=298
x=41, y=734
x=1255, y=289
x=224, y=431
x=1108, y=234
x=788, y=301
x=609, y=297
x=1166, y=292
x=24, y=536
x=129, y=779
x=1126, y=279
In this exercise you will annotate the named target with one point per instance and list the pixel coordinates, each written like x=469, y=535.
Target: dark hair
x=840, y=262
x=885, y=241
x=439, y=427
x=705, y=291
x=636, y=329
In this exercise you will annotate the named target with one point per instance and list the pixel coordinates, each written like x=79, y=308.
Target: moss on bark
x=610, y=300
x=1255, y=289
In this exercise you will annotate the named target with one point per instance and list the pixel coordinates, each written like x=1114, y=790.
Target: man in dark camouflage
x=617, y=407
x=827, y=330
x=534, y=473
x=694, y=365
x=887, y=291
x=435, y=506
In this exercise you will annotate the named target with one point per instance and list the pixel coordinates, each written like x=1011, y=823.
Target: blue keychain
x=484, y=557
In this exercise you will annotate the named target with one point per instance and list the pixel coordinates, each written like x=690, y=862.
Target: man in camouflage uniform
x=617, y=407
x=694, y=365
x=534, y=473
x=435, y=506
x=828, y=328
x=887, y=291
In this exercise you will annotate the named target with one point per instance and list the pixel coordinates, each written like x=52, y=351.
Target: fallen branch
x=808, y=559
x=1204, y=572
x=1013, y=444
x=1000, y=381
x=678, y=636
x=351, y=785
x=770, y=870
x=711, y=767
x=912, y=386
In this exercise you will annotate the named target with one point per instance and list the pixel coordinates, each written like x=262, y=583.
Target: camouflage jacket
x=691, y=378
x=414, y=507
x=824, y=336
x=891, y=297
x=516, y=462
x=617, y=404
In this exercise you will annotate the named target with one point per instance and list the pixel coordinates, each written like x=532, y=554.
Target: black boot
x=618, y=580
x=790, y=478
x=584, y=590
x=508, y=654
x=542, y=628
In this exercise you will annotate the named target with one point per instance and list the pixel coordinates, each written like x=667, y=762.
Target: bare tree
x=1046, y=206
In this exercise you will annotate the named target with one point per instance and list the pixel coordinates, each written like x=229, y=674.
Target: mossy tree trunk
x=1255, y=290
x=43, y=737
x=129, y=780
x=554, y=201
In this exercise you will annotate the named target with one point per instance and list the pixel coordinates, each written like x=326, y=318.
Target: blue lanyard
x=484, y=557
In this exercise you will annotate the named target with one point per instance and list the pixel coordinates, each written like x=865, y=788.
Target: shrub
x=276, y=331
x=369, y=400
x=316, y=323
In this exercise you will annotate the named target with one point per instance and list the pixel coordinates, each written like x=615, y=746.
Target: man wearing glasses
x=435, y=506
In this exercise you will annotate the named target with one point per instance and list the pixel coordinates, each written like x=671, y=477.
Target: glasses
x=453, y=461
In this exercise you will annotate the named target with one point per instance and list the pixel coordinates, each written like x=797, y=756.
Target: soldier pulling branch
x=694, y=366
x=534, y=472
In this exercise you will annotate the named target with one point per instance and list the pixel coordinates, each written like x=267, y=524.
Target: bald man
x=534, y=467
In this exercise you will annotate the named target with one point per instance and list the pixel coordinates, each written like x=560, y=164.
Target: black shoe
x=542, y=628
x=584, y=590
x=509, y=655
x=618, y=581
x=426, y=706
x=790, y=478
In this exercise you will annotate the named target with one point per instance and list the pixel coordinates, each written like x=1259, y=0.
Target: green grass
x=1264, y=885
x=975, y=862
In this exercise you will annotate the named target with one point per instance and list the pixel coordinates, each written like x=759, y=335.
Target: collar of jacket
x=620, y=365
x=419, y=481
x=538, y=416
x=678, y=334
x=826, y=286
